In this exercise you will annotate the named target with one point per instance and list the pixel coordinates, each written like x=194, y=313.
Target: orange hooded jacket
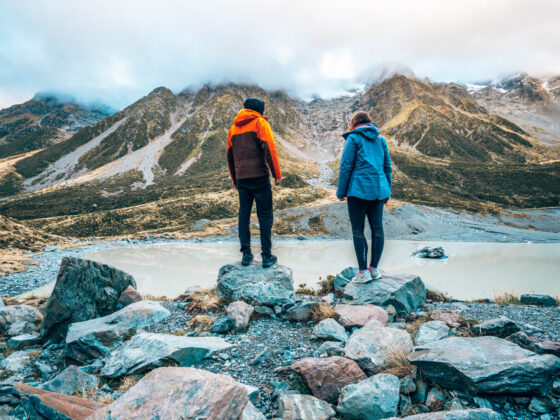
x=251, y=151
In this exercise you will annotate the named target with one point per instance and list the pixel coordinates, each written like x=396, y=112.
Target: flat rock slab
x=539, y=300
x=15, y=362
x=372, y=346
x=405, y=292
x=255, y=285
x=83, y=290
x=21, y=341
x=351, y=316
x=71, y=380
x=179, y=393
x=486, y=365
x=499, y=327
x=431, y=331
x=17, y=313
x=297, y=407
x=41, y=404
x=97, y=337
x=474, y=414
x=329, y=329
x=326, y=377
x=148, y=350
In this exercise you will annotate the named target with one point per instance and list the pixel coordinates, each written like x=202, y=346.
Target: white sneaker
x=362, y=277
x=375, y=273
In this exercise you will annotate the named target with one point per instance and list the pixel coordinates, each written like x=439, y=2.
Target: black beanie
x=255, y=105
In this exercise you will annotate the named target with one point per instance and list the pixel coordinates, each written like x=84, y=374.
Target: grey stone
x=419, y=396
x=428, y=252
x=499, y=327
x=146, y=351
x=541, y=406
x=252, y=392
x=240, y=313
x=299, y=407
x=482, y=402
x=556, y=387
x=16, y=362
x=222, y=325
x=329, y=329
x=71, y=380
x=540, y=300
x=405, y=292
x=407, y=385
x=83, y=290
x=435, y=399
x=95, y=338
x=331, y=348
x=485, y=365
x=344, y=277
x=476, y=414
x=256, y=285
x=262, y=357
x=17, y=313
x=300, y=312
x=24, y=340
x=372, y=345
x=250, y=412
x=20, y=328
x=374, y=398
x=431, y=331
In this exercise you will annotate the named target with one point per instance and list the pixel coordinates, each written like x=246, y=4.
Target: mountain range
x=159, y=164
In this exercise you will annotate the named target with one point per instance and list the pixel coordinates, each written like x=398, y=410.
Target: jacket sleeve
x=346, y=167
x=264, y=132
x=230, y=160
x=387, y=167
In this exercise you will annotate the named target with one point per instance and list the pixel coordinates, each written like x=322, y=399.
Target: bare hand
x=341, y=199
x=277, y=181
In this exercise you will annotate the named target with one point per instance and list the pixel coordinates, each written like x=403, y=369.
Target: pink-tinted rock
x=350, y=316
x=17, y=313
x=240, y=313
x=326, y=377
x=179, y=393
x=129, y=295
x=450, y=317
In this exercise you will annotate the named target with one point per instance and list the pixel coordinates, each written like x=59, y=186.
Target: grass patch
x=323, y=311
x=435, y=296
x=204, y=301
x=303, y=289
x=202, y=322
x=507, y=298
x=128, y=382
x=326, y=286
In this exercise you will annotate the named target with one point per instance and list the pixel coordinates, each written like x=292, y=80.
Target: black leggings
x=358, y=209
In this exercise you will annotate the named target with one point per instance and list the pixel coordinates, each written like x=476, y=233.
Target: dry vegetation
x=202, y=322
x=323, y=311
x=507, y=298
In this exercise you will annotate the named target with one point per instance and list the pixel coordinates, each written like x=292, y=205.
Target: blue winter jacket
x=365, y=166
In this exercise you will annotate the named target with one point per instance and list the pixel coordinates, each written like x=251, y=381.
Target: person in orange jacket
x=251, y=156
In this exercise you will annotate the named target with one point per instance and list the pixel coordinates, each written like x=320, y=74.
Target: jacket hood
x=367, y=130
x=245, y=116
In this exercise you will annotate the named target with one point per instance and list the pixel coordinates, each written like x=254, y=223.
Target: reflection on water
x=473, y=270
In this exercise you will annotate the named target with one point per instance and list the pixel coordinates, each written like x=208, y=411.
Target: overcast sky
x=116, y=51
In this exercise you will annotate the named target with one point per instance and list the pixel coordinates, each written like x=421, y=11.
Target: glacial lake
x=473, y=269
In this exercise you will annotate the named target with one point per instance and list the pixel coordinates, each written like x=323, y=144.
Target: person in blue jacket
x=365, y=180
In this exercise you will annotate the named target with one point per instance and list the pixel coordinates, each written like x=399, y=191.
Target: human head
x=254, y=104
x=360, y=117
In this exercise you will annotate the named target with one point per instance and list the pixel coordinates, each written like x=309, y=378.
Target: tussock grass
x=507, y=298
x=326, y=286
x=204, y=301
x=202, y=322
x=303, y=289
x=323, y=311
x=413, y=327
x=437, y=297
x=93, y=394
x=31, y=300
x=128, y=382
x=156, y=298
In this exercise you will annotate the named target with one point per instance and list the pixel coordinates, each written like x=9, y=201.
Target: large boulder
x=499, y=327
x=297, y=407
x=325, y=377
x=350, y=316
x=41, y=404
x=145, y=351
x=329, y=329
x=405, y=292
x=83, y=290
x=485, y=365
x=373, y=345
x=95, y=338
x=71, y=380
x=431, y=331
x=474, y=414
x=20, y=314
x=256, y=285
x=539, y=300
x=374, y=398
x=179, y=393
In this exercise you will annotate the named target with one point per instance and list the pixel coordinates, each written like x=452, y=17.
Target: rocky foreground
x=254, y=349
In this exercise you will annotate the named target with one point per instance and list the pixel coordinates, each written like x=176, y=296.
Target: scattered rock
x=256, y=285
x=435, y=399
x=450, y=317
x=499, y=327
x=10, y=315
x=405, y=292
x=325, y=377
x=41, y=404
x=71, y=380
x=419, y=396
x=129, y=295
x=431, y=331
x=22, y=341
x=374, y=398
x=262, y=357
x=148, y=350
x=539, y=300
x=83, y=290
x=300, y=312
x=15, y=362
x=178, y=393
x=485, y=365
x=372, y=345
x=240, y=312
x=298, y=407
x=407, y=385
x=329, y=329
x=476, y=414
x=20, y=328
x=331, y=348
x=250, y=412
x=350, y=316
x=541, y=406
x=222, y=325
x=428, y=252
x=535, y=344
x=97, y=337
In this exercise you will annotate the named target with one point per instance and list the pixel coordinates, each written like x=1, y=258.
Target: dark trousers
x=260, y=191
x=358, y=210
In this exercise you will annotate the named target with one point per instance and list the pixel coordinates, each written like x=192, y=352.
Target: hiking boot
x=269, y=261
x=375, y=273
x=362, y=277
x=247, y=259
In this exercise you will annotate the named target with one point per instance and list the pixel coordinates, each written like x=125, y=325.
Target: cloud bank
x=116, y=51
